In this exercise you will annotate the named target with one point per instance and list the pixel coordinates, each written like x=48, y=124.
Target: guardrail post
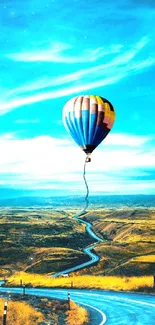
x=69, y=301
x=5, y=312
x=23, y=289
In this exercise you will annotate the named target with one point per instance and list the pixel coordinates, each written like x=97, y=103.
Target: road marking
x=136, y=301
x=98, y=310
x=117, y=298
x=82, y=303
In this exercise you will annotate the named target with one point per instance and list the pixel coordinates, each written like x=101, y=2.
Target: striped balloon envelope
x=88, y=119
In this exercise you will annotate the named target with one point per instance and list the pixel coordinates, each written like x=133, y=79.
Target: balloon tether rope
x=83, y=211
x=87, y=188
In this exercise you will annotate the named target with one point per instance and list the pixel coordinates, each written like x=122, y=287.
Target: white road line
x=136, y=301
x=98, y=310
x=117, y=298
x=104, y=319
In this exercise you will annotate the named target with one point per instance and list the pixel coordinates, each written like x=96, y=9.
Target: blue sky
x=52, y=51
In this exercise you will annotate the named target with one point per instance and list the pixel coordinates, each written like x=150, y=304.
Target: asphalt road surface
x=110, y=308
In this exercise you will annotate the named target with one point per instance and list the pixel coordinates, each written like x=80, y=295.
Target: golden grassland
x=128, y=234
x=20, y=313
x=76, y=315
x=86, y=281
x=48, y=311
x=45, y=241
x=144, y=259
x=40, y=241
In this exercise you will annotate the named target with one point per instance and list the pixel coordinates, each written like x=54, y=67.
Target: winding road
x=88, y=250
x=108, y=308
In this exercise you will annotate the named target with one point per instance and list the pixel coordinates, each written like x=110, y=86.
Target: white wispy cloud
x=8, y=136
x=45, y=162
x=23, y=121
x=105, y=69
x=99, y=75
x=17, y=102
x=57, y=53
x=126, y=140
x=20, y=101
x=84, y=86
x=44, y=83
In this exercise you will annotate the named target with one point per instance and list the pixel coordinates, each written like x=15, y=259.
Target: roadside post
x=72, y=284
x=23, y=289
x=21, y=282
x=69, y=301
x=5, y=312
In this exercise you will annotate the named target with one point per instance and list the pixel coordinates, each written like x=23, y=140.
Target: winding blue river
x=87, y=250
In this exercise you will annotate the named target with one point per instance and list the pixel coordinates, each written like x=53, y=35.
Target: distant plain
x=42, y=240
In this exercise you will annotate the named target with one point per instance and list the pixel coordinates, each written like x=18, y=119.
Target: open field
x=129, y=241
x=76, y=315
x=20, y=313
x=144, y=283
x=40, y=240
x=34, y=310
x=45, y=241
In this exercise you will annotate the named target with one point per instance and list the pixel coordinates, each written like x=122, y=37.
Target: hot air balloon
x=88, y=119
